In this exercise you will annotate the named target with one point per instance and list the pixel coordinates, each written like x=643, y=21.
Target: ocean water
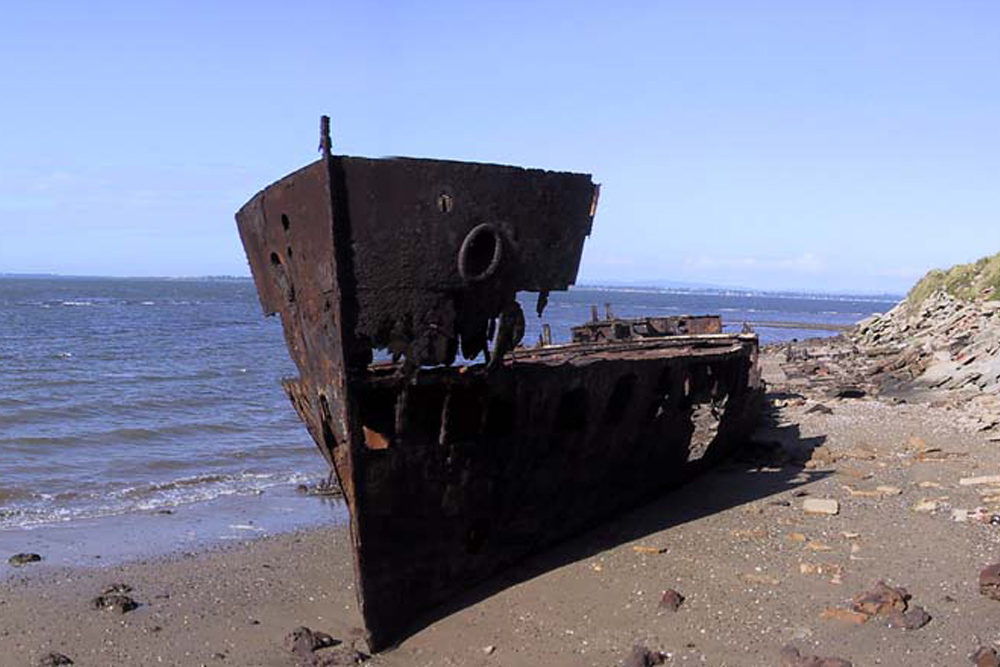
x=123, y=396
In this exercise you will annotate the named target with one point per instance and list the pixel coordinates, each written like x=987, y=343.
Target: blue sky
x=815, y=145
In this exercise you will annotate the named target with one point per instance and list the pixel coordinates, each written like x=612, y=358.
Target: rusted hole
x=378, y=409
x=275, y=260
x=480, y=254
x=284, y=222
x=620, y=399
x=572, y=412
x=445, y=203
x=288, y=251
x=705, y=421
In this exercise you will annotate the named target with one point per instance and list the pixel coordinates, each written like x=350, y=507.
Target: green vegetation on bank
x=967, y=282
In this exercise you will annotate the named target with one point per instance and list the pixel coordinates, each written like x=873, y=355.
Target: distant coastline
x=653, y=286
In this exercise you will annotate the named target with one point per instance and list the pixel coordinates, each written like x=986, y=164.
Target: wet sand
x=735, y=543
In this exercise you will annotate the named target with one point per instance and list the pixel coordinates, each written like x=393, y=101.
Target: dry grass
x=968, y=282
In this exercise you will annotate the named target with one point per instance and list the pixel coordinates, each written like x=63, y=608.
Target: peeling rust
x=613, y=328
x=451, y=472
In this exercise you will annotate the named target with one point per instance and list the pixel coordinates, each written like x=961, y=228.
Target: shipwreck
x=385, y=270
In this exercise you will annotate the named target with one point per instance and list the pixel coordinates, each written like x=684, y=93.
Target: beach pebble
x=643, y=657
x=304, y=641
x=985, y=657
x=671, y=600
x=116, y=602
x=54, y=660
x=989, y=582
x=341, y=656
x=827, y=506
x=883, y=599
x=912, y=619
x=17, y=560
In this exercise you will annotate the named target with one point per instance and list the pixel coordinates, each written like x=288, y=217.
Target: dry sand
x=736, y=544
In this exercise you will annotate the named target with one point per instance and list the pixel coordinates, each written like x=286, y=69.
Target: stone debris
x=790, y=657
x=989, y=582
x=859, y=453
x=54, y=660
x=643, y=657
x=985, y=656
x=116, y=602
x=820, y=568
x=913, y=618
x=828, y=506
x=886, y=602
x=17, y=560
x=671, y=600
x=303, y=641
x=849, y=392
x=925, y=506
x=984, y=479
x=319, y=649
x=649, y=550
x=881, y=600
x=819, y=408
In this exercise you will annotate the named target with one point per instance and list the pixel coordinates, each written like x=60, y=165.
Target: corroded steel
x=451, y=473
x=646, y=327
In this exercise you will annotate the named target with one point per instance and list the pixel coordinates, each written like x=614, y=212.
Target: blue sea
x=123, y=397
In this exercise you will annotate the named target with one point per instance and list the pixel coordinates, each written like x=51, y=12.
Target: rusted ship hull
x=451, y=473
x=486, y=468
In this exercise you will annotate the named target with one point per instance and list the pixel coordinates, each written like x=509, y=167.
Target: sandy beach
x=755, y=570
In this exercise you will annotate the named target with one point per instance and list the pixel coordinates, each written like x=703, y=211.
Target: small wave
x=148, y=303
x=77, y=303
x=47, y=509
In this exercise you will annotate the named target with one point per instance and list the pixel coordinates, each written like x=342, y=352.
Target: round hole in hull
x=480, y=254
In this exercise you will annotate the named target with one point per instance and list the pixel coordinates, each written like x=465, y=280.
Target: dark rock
x=912, y=619
x=17, y=560
x=114, y=602
x=989, y=582
x=671, y=600
x=849, y=392
x=819, y=408
x=881, y=601
x=303, y=641
x=790, y=657
x=643, y=657
x=341, y=656
x=54, y=660
x=985, y=657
